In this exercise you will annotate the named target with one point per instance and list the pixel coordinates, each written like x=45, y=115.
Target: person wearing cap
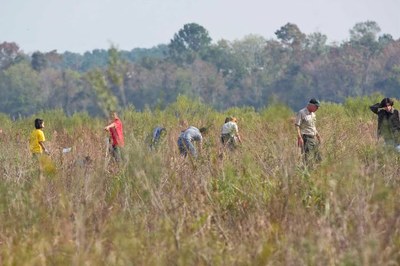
x=230, y=133
x=308, y=138
x=388, y=121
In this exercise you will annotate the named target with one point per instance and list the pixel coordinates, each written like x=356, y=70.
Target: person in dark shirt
x=157, y=135
x=388, y=121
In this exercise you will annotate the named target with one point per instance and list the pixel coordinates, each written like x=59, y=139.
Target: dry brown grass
x=255, y=206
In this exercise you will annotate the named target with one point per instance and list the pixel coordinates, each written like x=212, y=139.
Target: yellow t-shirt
x=37, y=136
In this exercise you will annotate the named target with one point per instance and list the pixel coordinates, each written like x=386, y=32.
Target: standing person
x=37, y=139
x=37, y=148
x=308, y=138
x=388, y=121
x=188, y=137
x=116, y=136
x=230, y=133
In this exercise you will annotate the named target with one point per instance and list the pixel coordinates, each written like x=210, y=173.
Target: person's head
x=39, y=123
x=228, y=118
x=313, y=105
x=163, y=131
x=183, y=124
x=203, y=130
x=387, y=103
x=113, y=114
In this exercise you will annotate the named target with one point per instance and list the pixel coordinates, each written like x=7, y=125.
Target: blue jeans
x=186, y=145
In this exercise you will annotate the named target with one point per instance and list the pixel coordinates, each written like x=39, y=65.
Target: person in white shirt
x=230, y=133
x=308, y=138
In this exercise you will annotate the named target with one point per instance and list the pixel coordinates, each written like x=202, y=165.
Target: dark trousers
x=228, y=141
x=117, y=153
x=311, y=149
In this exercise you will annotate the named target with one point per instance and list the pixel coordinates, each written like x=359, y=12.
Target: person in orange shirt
x=116, y=136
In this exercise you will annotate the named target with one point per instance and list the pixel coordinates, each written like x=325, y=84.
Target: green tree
x=116, y=70
x=364, y=37
x=316, y=43
x=188, y=42
x=250, y=51
x=71, y=93
x=20, y=90
x=291, y=36
x=9, y=54
x=106, y=100
x=230, y=64
x=39, y=61
x=365, y=34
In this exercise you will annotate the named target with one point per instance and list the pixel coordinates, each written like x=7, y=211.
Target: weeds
x=257, y=205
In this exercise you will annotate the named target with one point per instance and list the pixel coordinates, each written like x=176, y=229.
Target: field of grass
x=256, y=206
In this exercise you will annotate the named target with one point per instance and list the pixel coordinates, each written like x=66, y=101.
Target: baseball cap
x=315, y=102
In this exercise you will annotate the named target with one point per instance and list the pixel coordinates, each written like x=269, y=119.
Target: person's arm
x=41, y=143
x=237, y=133
x=238, y=137
x=300, y=141
x=318, y=137
x=375, y=108
x=201, y=146
x=107, y=128
x=297, y=123
x=396, y=121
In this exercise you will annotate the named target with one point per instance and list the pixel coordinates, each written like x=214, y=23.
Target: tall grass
x=257, y=205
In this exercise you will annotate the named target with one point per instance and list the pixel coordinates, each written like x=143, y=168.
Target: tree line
x=253, y=71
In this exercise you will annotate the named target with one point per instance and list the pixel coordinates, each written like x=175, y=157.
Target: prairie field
x=257, y=205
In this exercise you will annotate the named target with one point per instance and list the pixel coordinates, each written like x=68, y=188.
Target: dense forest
x=253, y=71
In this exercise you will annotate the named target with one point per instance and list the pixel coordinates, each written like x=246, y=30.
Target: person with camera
x=388, y=122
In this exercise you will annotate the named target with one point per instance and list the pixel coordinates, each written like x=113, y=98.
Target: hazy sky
x=84, y=25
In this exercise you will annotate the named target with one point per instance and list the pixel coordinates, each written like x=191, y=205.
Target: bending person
x=187, y=138
x=230, y=133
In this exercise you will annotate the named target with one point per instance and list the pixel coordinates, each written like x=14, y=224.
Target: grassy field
x=256, y=206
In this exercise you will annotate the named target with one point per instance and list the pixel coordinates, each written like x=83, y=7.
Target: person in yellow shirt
x=37, y=139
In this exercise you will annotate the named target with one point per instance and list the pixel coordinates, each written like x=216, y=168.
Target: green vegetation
x=253, y=71
x=256, y=206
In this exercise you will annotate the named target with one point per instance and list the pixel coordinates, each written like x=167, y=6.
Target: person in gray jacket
x=187, y=138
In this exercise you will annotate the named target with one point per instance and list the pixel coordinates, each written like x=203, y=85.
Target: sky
x=84, y=25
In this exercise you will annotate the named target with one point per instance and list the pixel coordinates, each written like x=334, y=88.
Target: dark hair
x=203, y=130
x=385, y=102
x=38, y=123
